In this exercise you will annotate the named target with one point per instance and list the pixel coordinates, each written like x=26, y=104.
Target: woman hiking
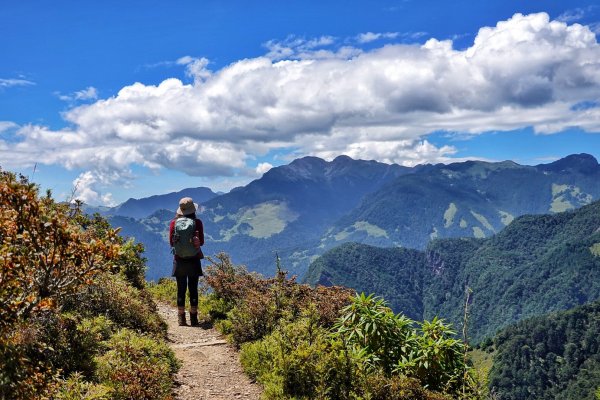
x=186, y=235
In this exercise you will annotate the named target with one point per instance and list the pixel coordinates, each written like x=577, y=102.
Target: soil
x=211, y=368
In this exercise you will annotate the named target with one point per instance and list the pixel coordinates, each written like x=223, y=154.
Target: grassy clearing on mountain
x=567, y=197
x=361, y=226
x=260, y=221
x=449, y=215
x=595, y=249
x=75, y=319
x=483, y=221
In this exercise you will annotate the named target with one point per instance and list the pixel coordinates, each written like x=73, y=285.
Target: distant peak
x=307, y=161
x=581, y=157
x=582, y=162
x=342, y=158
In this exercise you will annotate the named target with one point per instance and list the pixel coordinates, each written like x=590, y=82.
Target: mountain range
x=302, y=209
x=141, y=208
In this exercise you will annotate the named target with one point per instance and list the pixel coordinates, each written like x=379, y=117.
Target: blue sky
x=129, y=99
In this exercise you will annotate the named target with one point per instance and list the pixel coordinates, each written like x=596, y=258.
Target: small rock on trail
x=211, y=368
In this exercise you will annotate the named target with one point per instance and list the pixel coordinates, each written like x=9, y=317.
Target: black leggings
x=187, y=282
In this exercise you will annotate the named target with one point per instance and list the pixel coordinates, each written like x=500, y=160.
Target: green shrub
x=381, y=387
x=137, y=367
x=291, y=362
x=437, y=360
x=370, y=327
x=389, y=343
x=165, y=290
x=132, y=266
x=126, y=306
x=70, y=342
x=76, y=388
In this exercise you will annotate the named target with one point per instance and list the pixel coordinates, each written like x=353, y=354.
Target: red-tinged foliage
x=54, y=259
x=257, y=304
x=44, y=255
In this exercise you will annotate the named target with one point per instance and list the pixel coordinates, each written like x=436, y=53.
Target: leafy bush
x=438, y=359
x=397, y=387
x=165, y=290
x=291, y=361
x=76, y=388
x=370, y=327
x=70, y=342
x=67, y=283
x=137, y=367
x=255, y=305
x=390, y=343
x=112, y=296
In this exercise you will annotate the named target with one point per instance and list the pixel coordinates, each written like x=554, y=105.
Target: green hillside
x=550, y=357
x=538, y=264
x=372, y=269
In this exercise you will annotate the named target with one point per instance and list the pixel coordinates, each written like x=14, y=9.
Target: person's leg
x=181, y=288
x=193, y=288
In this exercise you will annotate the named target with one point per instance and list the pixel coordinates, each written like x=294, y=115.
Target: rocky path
x=211, y=367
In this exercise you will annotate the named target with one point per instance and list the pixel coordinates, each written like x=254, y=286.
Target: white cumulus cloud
x=86, y=187
x=263, y=167
x=6, y=125
x=315, y=98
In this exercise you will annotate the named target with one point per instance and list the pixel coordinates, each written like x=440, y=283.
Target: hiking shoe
x=194, y=319
x=182, y=320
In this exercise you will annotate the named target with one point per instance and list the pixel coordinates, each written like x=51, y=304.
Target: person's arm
x=200, y=229
x=171, y=229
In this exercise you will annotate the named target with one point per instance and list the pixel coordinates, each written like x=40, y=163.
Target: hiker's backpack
x=183, y=234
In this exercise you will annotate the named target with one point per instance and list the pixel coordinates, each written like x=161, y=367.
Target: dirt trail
x=211, y=367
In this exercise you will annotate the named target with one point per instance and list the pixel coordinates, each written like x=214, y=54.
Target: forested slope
x=372, y=269
x=549, y=357
x=538, y=264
